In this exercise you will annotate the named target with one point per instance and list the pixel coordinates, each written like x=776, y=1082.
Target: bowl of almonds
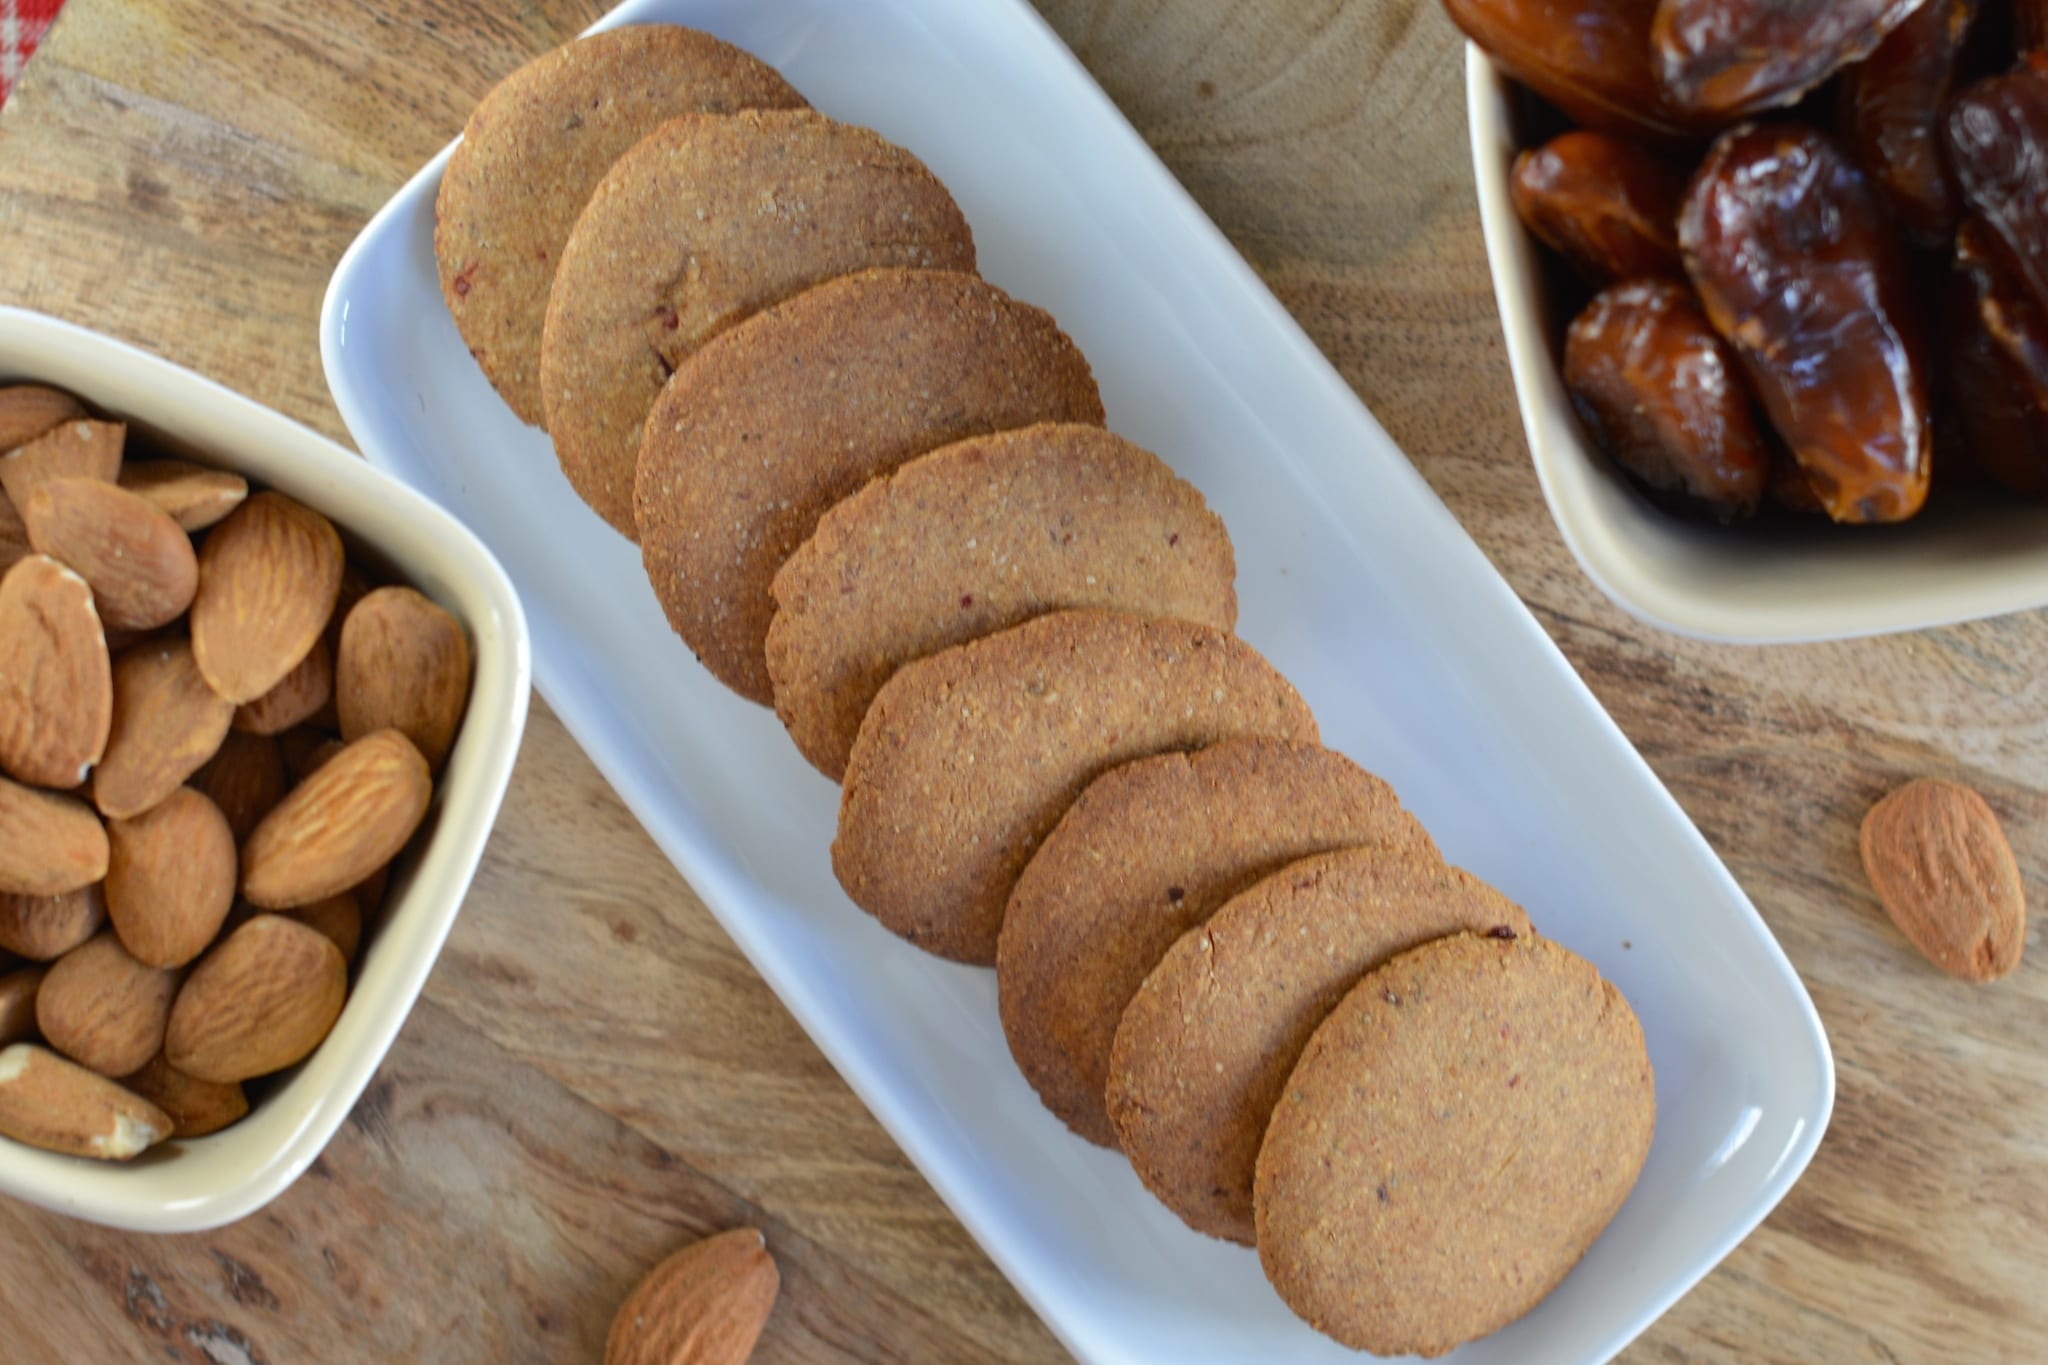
x=259, y=704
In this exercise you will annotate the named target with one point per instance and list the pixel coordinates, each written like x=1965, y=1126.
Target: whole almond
x=196, y=1107
x=268, y=578
x=14, y=545
x=245, y=778
x=49, y=844
x=58, y=1105
x=56, y=683
x=103, y=1009
x=705, y=1305
x=190, y=494
x=29, y=410
x=167, y=724
x=298, y=697
x=44, y=928
x=81, y=449
x=262, y=999
x=18, y=1003
x=338, y=826
x=1940, y=863
x=170, y=878
x=140, y=564
x=403, y=665
x=335, y=918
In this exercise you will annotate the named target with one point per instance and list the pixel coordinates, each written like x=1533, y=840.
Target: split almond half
x=49, y=844
x=167, y=724
x=1939, y=861
x=403, y=664
x=262, y=999
x=268, y=578
x=56, y=684
x=58, y=1105
x=190, y=494
x=170, y=878
x=338, y=826
x=705, y=1305
x=140, y=564
x=82, y=449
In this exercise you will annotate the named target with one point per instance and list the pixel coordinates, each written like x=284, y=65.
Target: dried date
x=2003, y=426
x=1723, y=59
x=1590, y=58
x=1891, y=116
x=1801, y=271
x=1605, y=205
x=1998, y=145
x=1663, y=396
x=2030, y=24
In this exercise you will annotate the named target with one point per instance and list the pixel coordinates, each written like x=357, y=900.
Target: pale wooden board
x=595, y=1075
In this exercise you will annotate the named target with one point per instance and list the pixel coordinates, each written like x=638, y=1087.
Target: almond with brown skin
x=299, y=696
x=14, y=546
x=339, y=825
x=336, y=918
x=167, y=724
x=59, y=1106
x=18, y=1003
x=29, y=410
x=196, y=1107
x=705, y=1305
x=81, y=449
x=268, y=578
x=403, y=664
x=141, y=566
x=44, y=928
x=245, y=778
x=305, y=750
x=1939, y=861
x=190, y=494
x=170, y=878
x=49, y=844
x=262, y=999
x=56, y=683
x=103, y=1009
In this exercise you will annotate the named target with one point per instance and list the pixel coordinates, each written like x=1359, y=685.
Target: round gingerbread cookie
x=968, y=758
x=769, y=425
x=1456, y=1134
x=1148, y=852
x=973, y=538
x=1205, y=1047
x=702, y=223
x=532, y=153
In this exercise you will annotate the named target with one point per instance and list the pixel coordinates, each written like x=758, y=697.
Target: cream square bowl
x=189, y=1186
x=1965, y=557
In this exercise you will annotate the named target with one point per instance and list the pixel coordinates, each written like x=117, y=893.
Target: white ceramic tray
x=1354, y=580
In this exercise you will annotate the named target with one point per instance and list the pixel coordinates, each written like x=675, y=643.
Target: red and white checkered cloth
x=22, y=25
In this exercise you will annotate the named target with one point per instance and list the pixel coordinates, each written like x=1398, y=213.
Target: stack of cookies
x=876, y=492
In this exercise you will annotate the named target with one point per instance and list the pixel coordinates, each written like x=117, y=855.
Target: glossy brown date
x=2004, y=428
x=1590, y=58
x=1998, y=146
x=2030, y=24
x=1801, y=271
x=1722, y=59
x=1661, y=393
x=1891, y=116
x=1605, y=205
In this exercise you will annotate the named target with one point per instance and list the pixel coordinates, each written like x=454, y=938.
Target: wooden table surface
x=594, y=1075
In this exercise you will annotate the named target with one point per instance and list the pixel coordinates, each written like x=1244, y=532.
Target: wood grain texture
x=595, y=1075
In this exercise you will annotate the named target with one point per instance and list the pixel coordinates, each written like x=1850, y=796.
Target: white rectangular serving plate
x=1353, y=579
